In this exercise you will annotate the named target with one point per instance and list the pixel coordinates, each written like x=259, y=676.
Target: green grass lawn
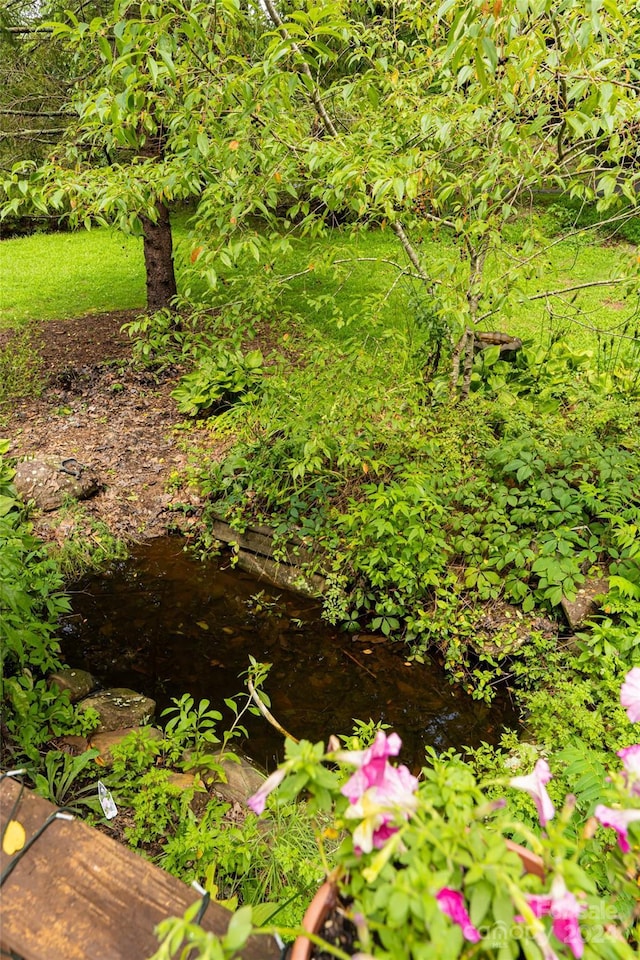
x=59, y=275
x=568, y=265
x=53, y=276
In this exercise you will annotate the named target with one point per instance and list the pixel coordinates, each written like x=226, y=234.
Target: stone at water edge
x=49, y=482
x=119, y=707
x=242, y=776
x=79, y=683
x=104, y=742
x=585, y=604
x=243, y=780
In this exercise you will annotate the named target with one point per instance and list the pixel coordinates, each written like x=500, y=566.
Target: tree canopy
x=274, y=119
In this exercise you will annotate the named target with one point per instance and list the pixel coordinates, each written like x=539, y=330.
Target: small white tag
x=106, y=801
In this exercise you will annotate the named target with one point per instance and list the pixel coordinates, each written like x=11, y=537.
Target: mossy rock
x=119, y=707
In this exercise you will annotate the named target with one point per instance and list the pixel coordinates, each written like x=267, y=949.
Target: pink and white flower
x=377, y=792
x=619, y=820
x=630, y=757
x=535, y=785
x=564, y=909
x=372, y=764
x=630, y=694
x=451, y=902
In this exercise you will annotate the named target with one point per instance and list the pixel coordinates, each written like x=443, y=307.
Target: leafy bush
x=30, y=603
x=195, y=834
x=221, y=377
x=420, y=508
x=426, y=866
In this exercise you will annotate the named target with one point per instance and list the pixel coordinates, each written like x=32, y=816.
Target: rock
x=73, y=744
x=183, y=781
x=240, y=776
x=119, y=708
x=49, y=482
x=585, y=604
x=243, y=779
x=79, y=683
x=104, y=742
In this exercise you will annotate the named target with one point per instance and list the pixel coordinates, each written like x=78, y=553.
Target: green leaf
x=480, y=899
x=239, y=929
x=399, y=188
x=503, y=908
x=6, y=505
x=202, y=141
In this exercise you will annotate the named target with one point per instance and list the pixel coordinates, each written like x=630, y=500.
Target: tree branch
x=28, y=134
x=25, y=30
x=6, y=112
x=306, y=69
x=409, y=249
x=577, y=286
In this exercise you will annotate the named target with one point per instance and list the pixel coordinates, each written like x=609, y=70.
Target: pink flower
x=379, y=806
x=451, y=902
x=535, y=785
x=372, y=764
x=565, y=911
x=619, y=820
x=377, y=792
x=258, y=800
x=630, y=694
x=630, y=757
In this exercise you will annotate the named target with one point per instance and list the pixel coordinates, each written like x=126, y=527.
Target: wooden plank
x=80, y=895
x=260, y=540
x=282, y=575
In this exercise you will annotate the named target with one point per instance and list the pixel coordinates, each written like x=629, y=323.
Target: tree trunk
x=158, y=260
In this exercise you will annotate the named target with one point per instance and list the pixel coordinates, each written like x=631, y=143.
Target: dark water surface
x=166, y=624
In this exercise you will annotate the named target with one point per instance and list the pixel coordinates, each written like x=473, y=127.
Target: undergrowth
x=31, y=600
x=422, y=510
x=20, y=365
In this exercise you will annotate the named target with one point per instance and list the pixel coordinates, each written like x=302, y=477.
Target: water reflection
x=165, y=624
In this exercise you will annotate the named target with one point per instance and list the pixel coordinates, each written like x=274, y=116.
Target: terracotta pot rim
x=317, y=912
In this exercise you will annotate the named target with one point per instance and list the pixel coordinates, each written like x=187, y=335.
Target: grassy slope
x=568, y=264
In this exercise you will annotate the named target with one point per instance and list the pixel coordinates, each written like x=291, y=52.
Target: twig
x=6, y=112
x=409, y=249
x=578, y=286
x=266, y=713
x=306, y=69
x=331, y=129
x=455, y=360
x=361, y=665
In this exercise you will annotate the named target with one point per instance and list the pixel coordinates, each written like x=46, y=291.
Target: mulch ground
x=118, y=420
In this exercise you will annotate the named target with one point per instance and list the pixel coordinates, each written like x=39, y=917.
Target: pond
x=164, y=623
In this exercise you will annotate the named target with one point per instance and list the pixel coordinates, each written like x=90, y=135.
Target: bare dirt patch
x=118, y=420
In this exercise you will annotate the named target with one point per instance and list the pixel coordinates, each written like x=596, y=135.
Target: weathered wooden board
x=260, y=540
x=80, y=895
x=282, y=574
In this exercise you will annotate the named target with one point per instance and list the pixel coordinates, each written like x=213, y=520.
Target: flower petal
x=535, y=785
x=630, y=694
x=619, y=820
x=451, y=902
x=630, y=757
x=566, y=910
x=258, y=800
